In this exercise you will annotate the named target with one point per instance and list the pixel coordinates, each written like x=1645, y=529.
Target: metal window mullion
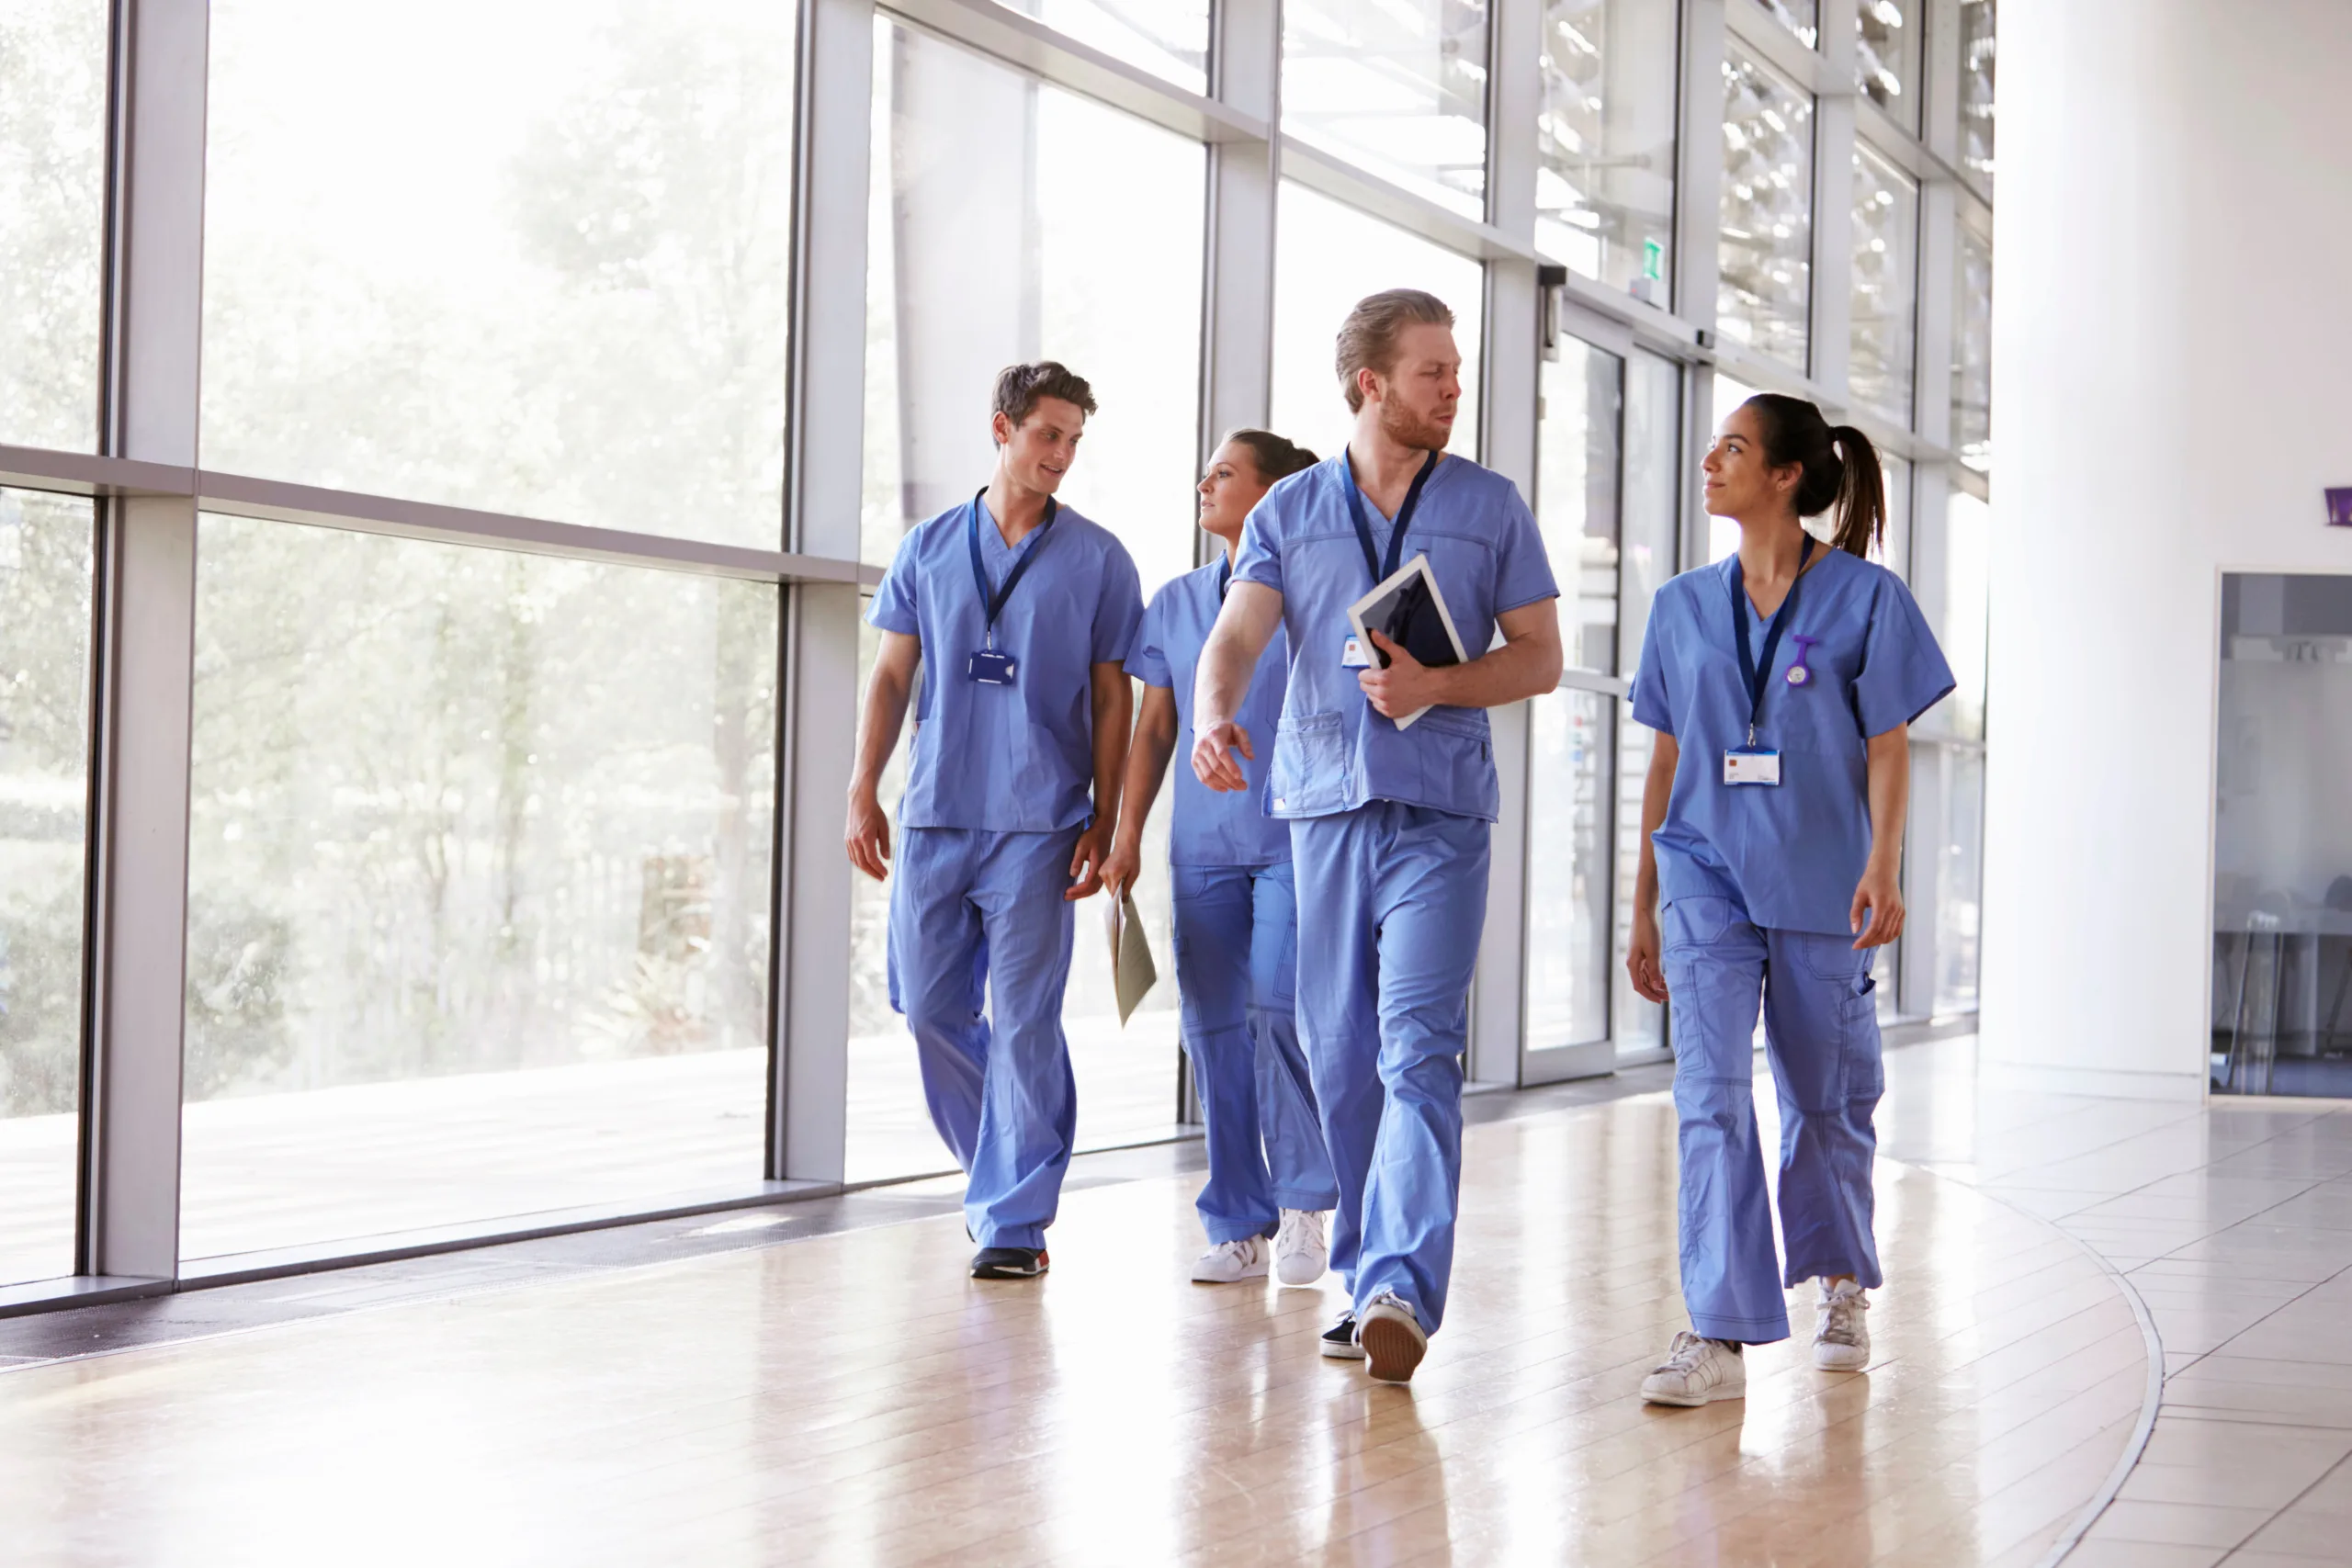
x=1510, y=349
x=1939, y=89
x=136, y=930
x=1243, y=201
x=1697, y=211
x=810, y=971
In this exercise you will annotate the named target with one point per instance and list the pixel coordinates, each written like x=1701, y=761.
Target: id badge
x=1353, y=655
x=1746, y=765
x=991, y=668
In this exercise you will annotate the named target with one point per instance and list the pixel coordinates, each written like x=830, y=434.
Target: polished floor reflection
x=854, y=1398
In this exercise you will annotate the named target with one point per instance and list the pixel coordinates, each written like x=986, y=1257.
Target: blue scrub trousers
x=1236, y=965
x=1391, y=901
x=975, y=915
x=1821, y=1035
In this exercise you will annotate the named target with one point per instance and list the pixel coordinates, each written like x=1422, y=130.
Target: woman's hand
x=1119, y=868
x=1879, y=896
x=1642, y=957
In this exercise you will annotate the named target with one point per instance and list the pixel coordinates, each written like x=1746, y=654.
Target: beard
x=1412, y=430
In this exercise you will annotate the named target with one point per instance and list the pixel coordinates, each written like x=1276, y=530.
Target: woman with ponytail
x=1782, y=682
x=1235, y=911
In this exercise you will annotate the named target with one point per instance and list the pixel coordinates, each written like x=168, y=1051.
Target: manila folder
x=1131, y=971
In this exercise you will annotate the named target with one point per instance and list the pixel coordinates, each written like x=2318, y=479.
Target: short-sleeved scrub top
x=1212, y=827
x=1334, y=752
x=1014, y=759
x=1791, y=853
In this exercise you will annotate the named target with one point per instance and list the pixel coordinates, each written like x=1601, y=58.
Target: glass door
x=1605, y=501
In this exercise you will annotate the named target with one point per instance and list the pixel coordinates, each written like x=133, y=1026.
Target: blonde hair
x=1368, y=337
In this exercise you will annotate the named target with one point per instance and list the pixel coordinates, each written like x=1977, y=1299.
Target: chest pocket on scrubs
x=1311, y=760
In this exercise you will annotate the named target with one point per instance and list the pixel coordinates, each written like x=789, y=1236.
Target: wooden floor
x=855, y=1399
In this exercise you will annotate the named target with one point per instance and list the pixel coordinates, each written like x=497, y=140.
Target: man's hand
x=1642, y=958
x=1881, y=894
x=1086, y=861
x=869, y=834
x=1121, y=866
x=1408, y=685
x=1212, y=761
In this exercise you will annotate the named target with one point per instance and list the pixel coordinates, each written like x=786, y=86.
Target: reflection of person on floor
x=1018, y=612
x=1237, y=935
x=1782, y=683
x=1389, y=825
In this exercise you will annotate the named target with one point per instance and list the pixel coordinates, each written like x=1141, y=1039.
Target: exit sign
x=2339, y=508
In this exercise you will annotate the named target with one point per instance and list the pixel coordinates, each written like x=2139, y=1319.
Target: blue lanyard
x=1404, y=519
x=995, y=602
x=1748, y=673
x=1224, y=578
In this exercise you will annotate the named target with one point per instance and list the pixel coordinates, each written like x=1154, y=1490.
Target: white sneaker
x=1696, y=1372
x=1300, y=1252
x=1392, y=1337
x=1231, y=1260
x=1841, y=1340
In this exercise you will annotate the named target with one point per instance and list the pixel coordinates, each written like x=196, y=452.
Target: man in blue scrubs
x=1018, y=612
x=1389, y=824
x=1235, y=908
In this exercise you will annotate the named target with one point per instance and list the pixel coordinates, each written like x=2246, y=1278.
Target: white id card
x=1747, y=767
x=1353, y=655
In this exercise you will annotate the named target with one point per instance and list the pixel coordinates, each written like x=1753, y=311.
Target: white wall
x=2173, y=390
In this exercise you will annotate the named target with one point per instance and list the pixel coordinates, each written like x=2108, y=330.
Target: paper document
x=1131, y=971
x=1409, y=612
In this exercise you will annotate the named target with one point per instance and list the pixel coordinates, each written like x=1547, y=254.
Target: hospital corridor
x=1102, y=782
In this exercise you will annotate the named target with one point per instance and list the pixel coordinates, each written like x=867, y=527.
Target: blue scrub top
x=1016, y=759
x=1334, y=754
x=1211, y=827
x=1790, y=854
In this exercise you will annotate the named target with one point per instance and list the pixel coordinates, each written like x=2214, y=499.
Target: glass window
x=1977, y=35
x=1959, y=882
x=1722, y=533
x=477, y=884
x=44, y=788
x=544, y=273
x=1961, y=629
x=1802, y=17
x=1648, y=554
x=1767, y=216
x=1604, y=186
x=1010, y=221
x=1886, y=271
x=1972, y=351
x=1886, y=56
x=53, y=189
x=1568, y=846
x=1329, y=256
x=1167, y=38
x=1893, y=552
x=1396, y=88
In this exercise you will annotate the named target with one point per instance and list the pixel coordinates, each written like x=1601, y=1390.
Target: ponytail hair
x=1841, y=467
x=1277, y=457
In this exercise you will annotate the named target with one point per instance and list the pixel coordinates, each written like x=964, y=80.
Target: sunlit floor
x=350, y=1163
x=854, y=1398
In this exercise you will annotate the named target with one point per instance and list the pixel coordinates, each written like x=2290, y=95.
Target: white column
x=2169, y=401
x=146, y=647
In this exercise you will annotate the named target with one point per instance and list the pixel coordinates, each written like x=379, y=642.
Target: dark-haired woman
x=1782, y=682
x=1237, y=925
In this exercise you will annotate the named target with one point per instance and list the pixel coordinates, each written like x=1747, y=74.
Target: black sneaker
x=1340, y=1339
x=1009, y=1263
